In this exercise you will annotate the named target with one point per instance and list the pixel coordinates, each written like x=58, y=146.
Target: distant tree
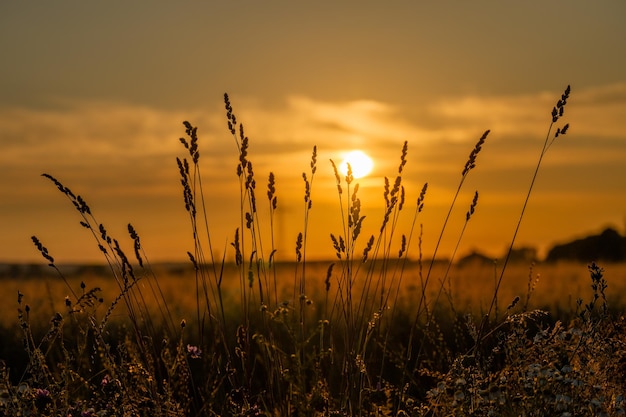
x=607, y=246
x=475, y=257
x=525, y=254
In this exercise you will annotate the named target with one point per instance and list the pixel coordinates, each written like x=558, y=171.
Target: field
x=371, y=332
x=460, y=304
x=469, y=288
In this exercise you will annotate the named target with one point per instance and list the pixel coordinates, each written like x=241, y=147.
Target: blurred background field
x=553, y=287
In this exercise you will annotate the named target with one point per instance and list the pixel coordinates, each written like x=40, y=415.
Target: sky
x=95, y=93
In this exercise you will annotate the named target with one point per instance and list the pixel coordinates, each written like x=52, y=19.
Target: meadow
x=551, y=287
x=370, y=332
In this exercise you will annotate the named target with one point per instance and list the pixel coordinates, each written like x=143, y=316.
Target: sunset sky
x=95, y=93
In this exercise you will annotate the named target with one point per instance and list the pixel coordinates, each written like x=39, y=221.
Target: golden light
x=360, y=163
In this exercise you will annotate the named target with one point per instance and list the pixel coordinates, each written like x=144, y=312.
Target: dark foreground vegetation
x=342, y=341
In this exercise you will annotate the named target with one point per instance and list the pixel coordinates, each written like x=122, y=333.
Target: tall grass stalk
x=422, y=304
x=556, y=114
x=450, y=262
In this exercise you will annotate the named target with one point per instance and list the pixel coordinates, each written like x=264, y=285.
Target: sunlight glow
x=360, y=163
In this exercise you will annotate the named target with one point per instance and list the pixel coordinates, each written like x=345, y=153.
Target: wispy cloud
x=113, y=133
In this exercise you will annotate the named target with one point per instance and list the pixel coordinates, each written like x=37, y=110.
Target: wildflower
x=194, y=351
x=90, y=412
x=105, y=381
x=41, y=393
x=42, y=398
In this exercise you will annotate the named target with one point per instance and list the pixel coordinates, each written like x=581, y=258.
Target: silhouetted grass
x=365, y=334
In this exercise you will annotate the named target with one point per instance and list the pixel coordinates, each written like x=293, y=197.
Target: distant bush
x=608, y=246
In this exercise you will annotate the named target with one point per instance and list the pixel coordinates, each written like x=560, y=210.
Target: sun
x=360, y=163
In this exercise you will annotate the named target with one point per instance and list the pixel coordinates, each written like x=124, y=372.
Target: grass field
x=369, y=333
x=555, y=287
x=461, y=302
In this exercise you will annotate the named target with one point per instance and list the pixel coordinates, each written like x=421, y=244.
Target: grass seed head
x=402, y=246
x=472, y=208
x=43, y=250
x=271, y=191
x=329, y=274
x=232, y=120
x=368, y=248
x=337, y=177
x=405, y=148
x=349, y=176
x=314, y=160
x=471, y=161
x=299, y=247
x=420, y=199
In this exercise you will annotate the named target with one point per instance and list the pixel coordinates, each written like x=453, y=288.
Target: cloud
x=600, y=112
x=120, y=138
x=89, y=128
x=304, y=122
x=597, y=111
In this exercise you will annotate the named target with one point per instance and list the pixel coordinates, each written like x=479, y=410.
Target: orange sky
x=95, y=94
